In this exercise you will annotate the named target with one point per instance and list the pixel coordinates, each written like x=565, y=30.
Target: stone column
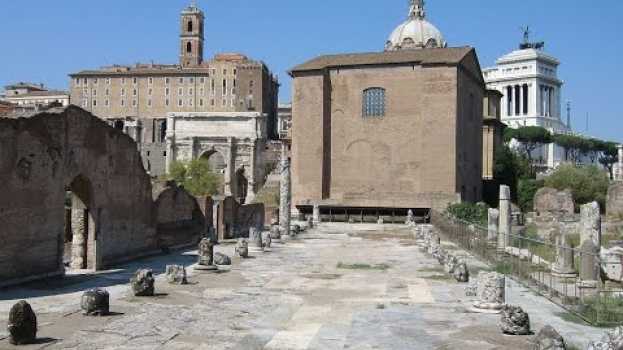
x=284, y=194
x=620, y=164
x=170, y=139
x=252, y=170
x=229, y=170
x=590, y=224
x=494, y=225
x=491, y=292
x=564, y=266
x=79, y=233
x=316, y=214
x=505, y=218
x=205, y=261
x=589, y=265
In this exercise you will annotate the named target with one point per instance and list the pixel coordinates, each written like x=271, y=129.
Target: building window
x=134, y=81
x=122, y=92
x=180, y=102
x=148, y=103
x=106, y=103
x=235, y=71
x=150, y=80
x=77, y=81
x=189, y=47
x=85, y=81
x=200, y=102
x=212, y=102
x=374, y=102
x=192, y=80
x=224, y=71
x=149, y=92
x=108, y=81
x=166, y=102
x=122, y=103
x=190, y=26
x=94, y=92
x=212, y=87
x=107, y=92
x=134, y=103
x=167, y=81
x=180, y=92
x=167, y=91
x=181, y=80
x=224, y=87
x=190, y=91
x=134, y=92
x=94, y=103
x=201, y=80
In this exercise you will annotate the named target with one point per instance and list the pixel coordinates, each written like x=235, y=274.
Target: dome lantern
x=416, y=32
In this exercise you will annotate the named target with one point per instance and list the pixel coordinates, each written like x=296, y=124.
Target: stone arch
x=216, y=160
x=82, y=247
x=42, y=157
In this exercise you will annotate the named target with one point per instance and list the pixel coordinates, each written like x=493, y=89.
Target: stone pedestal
x=316, y=215
x=564, y=265
x=590, y=224
x=176, y=274
x=267, y=241
x=275, y=234
x=589, y=266
x=255, y=240
x=95, y=302
x=491, y=293
x=505, y=221
x=242, y=248
x=493, y=225
x=142, y=283
x=206, y=256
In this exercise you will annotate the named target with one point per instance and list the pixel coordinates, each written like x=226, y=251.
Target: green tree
x=587, y=183
x=196, y=177
x=608, y=156
x=526, y=189
x=531, y=138
x=474, y=213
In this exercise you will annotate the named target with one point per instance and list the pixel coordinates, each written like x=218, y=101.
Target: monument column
x=229, y=170
x=253, y=165
x=620, y=165
x=79, y=234
x=505, y=218
x=284, y=194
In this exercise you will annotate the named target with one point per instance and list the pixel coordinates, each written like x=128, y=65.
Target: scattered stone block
x=95, y=302
x=451, y=263
x=242, y=248
x=221, y=259
x=275, y=232
x=472, y=289
x=515, y=321
x=491, y=293
x=461, y=273
x=590, y=223
x=176, y=274
x=22, y=324
x=612, y=340
x=548, y=339
x=206, y=252
x=549, y=203
x=266, y=240
x=255, y=238
x=143, y=283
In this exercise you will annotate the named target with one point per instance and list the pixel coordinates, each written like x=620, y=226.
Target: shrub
x=526, y=189
x=587, y=184
x=470, y=212
x=196, y=177
x=269, y=196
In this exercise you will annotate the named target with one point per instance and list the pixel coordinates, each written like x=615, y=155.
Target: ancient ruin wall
x=180, y=220
x=39, y=159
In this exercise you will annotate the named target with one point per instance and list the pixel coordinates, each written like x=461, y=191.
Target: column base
x=486, y=308
x=206, y=268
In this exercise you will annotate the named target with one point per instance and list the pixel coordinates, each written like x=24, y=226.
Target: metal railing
x=530, y=262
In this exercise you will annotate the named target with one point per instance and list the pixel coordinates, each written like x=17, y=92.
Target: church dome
x=416, y=32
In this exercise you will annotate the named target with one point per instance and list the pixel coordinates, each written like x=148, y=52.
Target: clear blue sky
x=43, y=40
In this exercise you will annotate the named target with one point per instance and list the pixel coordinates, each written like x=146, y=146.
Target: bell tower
x=191, y=36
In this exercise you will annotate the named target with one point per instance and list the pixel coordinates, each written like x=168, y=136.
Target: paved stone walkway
x=337, y=287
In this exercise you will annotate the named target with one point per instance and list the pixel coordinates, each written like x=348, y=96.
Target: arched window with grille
x=190, y=26
x=374, y=102
x=189, y=47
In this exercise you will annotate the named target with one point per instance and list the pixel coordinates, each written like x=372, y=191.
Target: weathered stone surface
x=41, y=157
x=504, y=231
x=612, y=263
x=95, y=302
x=471, y=290
x=79, y=224
x=22, y=324
x=493, y=225
x=614, y=202
x=206, y=252
x=267, y=239
x=589, y=263
x=285, y=195
x=461, y=273
x=242, y=248
x=548, y=339
x=451, y=262
x=255, y=237
x=590, y=226
x=179, y=218
x=564, y=265
x=275, y=232
x=176, y=274
x=550, y=201
x=221, y=259
x=410, y=218
x=491, y=291
x=515, y=321
x=612, y=340
x=142, y=283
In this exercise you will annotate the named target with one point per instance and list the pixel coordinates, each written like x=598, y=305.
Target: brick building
x=139, y=98
x=400, y=129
